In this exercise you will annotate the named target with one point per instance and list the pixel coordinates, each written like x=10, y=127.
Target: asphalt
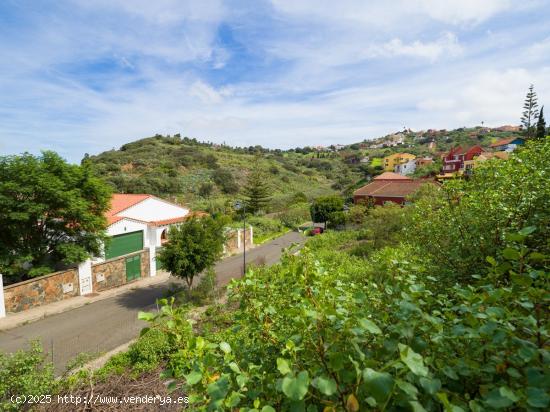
x=101, y=326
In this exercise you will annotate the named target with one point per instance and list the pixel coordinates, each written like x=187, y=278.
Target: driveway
x=104, y=325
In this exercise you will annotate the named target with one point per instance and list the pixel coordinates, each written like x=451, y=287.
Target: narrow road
x=104, y=325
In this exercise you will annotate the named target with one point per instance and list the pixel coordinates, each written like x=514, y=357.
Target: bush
x=25, y=373
x=225, y=181
x=295, y=215
x=149, y=350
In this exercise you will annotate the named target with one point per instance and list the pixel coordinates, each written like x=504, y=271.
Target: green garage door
x=124, y=244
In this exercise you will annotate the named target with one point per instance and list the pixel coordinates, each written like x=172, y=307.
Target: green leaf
x=233, y=400
x=432, y=386
x=268, y=408
x=537, y=398
x=526, y=231
x=283, y=366
x=370, y=326
x=147, y=316
x=511, y=254
x=218, y=390
x=379, y=385
x=193, y=378
x=413, y=360
x=416, y=406
x=295, y=388
x=234, y=367
x=408, y=388
x=326, y=386
x=225, y=347
x=495, y=399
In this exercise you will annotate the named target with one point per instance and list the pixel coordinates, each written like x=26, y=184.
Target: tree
x=51, y=213
x=193, y=247
x=257, y=190
x=541, y=125
x=530, y=112
x=326, y=209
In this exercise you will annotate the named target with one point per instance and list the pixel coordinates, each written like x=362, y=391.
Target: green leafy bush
x=25, y=373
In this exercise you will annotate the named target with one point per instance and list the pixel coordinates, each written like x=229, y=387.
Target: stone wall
x=112, y=272
x=41, y=291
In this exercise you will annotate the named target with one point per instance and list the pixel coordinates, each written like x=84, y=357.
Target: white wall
x=153, y=210
x=127, y=226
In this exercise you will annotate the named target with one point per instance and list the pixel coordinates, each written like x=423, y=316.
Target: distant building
x=423, y=161
x=395, y=159
x=508, y=145
x=389, y=187
x=453, y=162
x=508, y=128
x=406, y=168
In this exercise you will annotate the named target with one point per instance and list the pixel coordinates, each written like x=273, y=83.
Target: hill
x=208, y=176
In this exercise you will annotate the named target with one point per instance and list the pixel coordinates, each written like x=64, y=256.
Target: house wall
x=127, y=226
x=112, y=272
x=153, y=210
x=31, y=293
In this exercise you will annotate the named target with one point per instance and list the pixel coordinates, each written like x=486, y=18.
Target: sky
x=84, y=76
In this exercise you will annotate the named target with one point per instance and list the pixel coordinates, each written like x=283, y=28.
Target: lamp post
x=242, y=206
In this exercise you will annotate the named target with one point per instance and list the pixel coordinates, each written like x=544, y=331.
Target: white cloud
x=447, y=45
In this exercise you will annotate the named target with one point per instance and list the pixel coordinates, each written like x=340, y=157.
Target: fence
x=58, y=286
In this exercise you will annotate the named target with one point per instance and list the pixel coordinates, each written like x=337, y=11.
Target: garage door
x=124, y=244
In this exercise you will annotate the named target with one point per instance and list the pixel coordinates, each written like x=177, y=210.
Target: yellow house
x=396, y=159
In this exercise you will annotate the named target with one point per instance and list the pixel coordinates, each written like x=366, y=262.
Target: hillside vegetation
x=206, y=176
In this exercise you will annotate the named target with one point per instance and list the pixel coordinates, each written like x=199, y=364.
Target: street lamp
x=242, y=206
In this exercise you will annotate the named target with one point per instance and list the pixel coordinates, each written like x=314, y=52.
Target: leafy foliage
x=458, y=226
x=51, y=213
x=327, y=209
x=25, y=373
x=193, y=246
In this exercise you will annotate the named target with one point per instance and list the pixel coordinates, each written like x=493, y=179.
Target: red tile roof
x=122, y=201
x=178, y=219
x=505, y=141
x=391, y=176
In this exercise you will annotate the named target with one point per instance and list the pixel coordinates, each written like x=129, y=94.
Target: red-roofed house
x=388, y=187
x=140, y=221
x=453, y=161
x=508, y=145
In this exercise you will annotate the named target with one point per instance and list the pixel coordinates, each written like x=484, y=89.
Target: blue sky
x=83, y=76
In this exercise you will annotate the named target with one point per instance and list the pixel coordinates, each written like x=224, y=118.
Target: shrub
x=295, y=215
x=24, y=373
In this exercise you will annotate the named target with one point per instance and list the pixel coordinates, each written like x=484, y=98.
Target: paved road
x=104, y=325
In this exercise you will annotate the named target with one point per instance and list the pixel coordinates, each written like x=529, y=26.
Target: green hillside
x=207, y=176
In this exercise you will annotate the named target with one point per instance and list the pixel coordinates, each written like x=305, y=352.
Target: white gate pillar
x=2, y=302
x=238, y=239
x=152, y=261
x=153, y=238
x=85, y=277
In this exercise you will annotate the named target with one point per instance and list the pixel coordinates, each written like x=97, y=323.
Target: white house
x=406, y=168
x=140, y=221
